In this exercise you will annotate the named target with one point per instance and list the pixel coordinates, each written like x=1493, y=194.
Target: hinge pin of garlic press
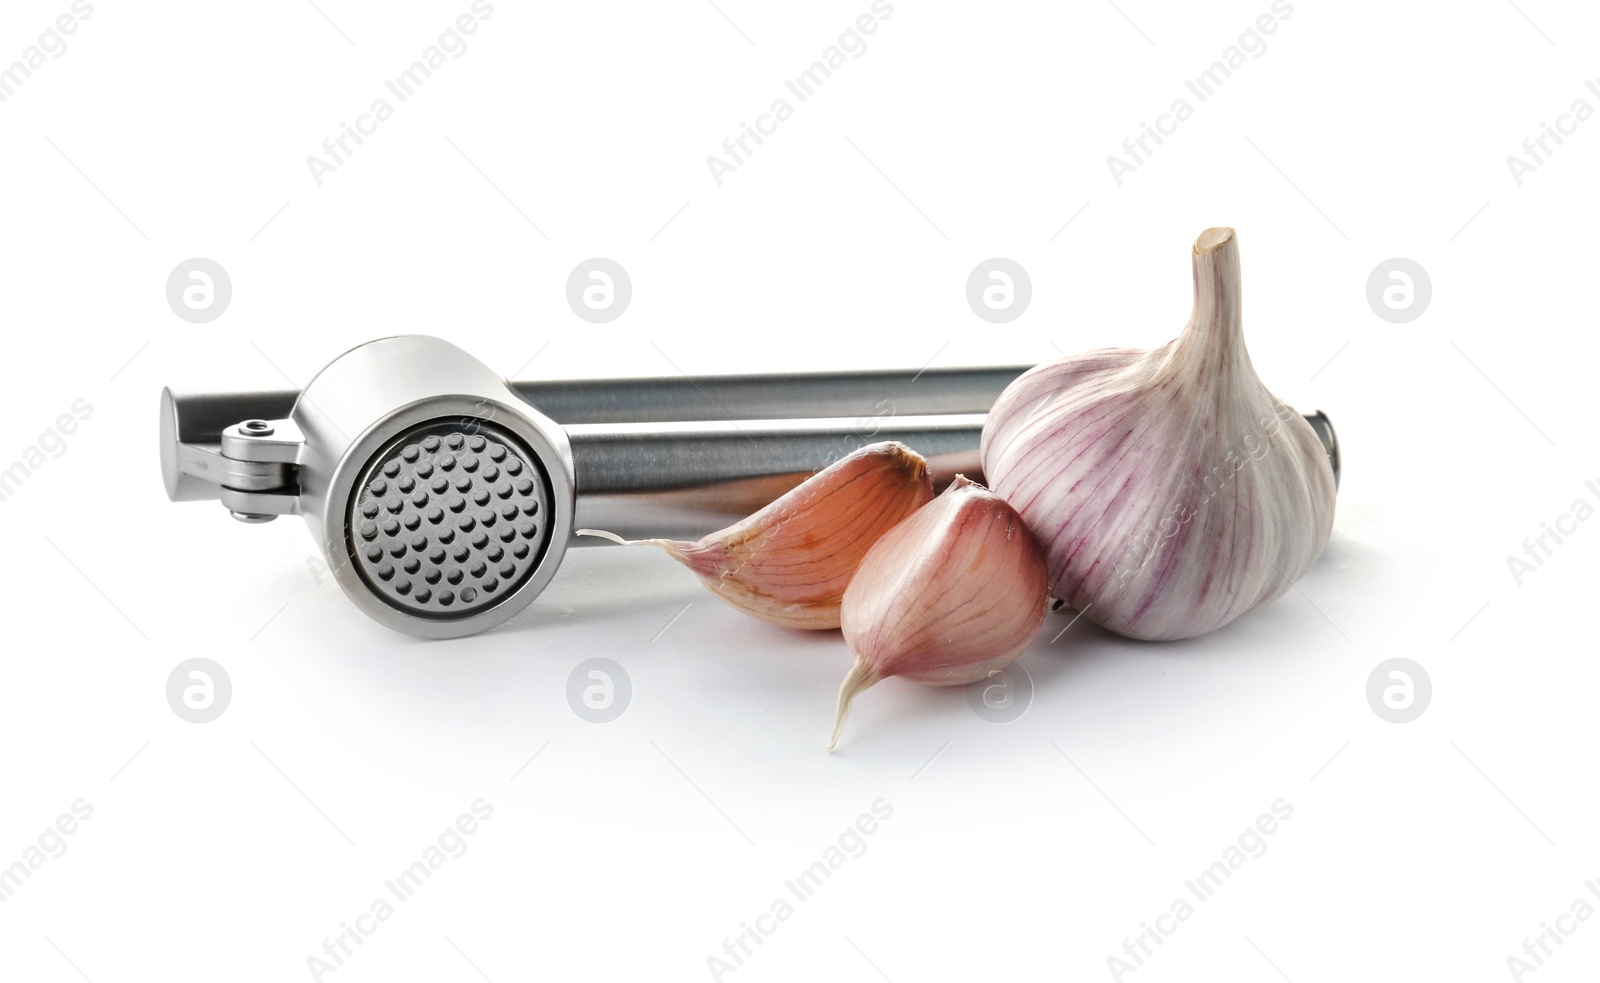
x=261, y=477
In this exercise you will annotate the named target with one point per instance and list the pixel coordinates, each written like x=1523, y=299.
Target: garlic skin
x=946, y=597
x=789, y=563
x=1171, y=491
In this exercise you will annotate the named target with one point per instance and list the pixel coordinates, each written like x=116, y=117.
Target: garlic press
x=444, y=497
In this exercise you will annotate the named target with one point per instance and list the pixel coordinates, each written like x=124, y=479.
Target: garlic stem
x=1212, y=343
x=857, y=680
x=602, y=534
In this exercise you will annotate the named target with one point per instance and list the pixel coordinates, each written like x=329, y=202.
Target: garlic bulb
x=1171, y=491
x=789, y=563
x=946, y=597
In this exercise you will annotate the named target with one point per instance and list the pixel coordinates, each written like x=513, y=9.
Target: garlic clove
x=1172, y=492
x=789, y=563
x=946, y=597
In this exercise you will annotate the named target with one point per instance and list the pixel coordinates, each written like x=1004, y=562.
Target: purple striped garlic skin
x=1170, y=490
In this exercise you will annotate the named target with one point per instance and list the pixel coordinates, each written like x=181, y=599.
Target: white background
x=631, y=850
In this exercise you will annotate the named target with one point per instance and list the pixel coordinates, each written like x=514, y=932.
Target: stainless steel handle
x=193, y=425
x=794, y=396
x=683, y=480
x=202, y=417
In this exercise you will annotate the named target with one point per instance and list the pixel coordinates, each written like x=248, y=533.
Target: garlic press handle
x=652, y=456
x=838, y=408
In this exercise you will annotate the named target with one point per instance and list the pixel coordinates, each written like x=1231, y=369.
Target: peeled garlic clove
x=946, y=597
x=1171, y=491
x=789, y=563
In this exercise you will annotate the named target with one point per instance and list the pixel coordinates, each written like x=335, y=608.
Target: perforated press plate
x=449, y=519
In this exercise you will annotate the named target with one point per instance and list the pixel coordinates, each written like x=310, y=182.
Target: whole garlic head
x=1171, y=491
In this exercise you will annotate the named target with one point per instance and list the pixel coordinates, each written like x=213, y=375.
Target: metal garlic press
x=444, y=497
